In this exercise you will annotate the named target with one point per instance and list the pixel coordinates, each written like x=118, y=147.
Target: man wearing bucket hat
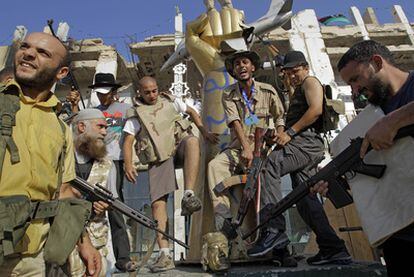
x=248, y=104
x=106, y=89
x=302, y=149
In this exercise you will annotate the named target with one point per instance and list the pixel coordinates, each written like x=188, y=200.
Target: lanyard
x=249, y=103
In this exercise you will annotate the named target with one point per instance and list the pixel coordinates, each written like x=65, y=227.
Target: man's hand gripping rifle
x=96, y=192
x=335, y=172
x=251, y=178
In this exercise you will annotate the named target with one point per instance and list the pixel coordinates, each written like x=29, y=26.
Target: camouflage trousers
x=78, y=268
x=223, y=166
x=24, y=265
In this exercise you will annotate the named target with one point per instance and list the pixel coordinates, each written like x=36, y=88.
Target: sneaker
x=266, y=242
x=163, y=263
x=190, y=204
x=341, y=257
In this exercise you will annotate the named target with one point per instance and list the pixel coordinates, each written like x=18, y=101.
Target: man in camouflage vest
x=163, y=141
x=93, y=165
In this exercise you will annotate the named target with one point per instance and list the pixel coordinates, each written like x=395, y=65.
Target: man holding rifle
x=369, y=68
x=93, y=165
x=248, y=104
x=302, y=149
x=106, y=89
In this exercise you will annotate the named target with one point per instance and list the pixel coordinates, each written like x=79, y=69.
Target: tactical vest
x=14, y=223
x=99, y=226
x=298, y=107
x=162, y=128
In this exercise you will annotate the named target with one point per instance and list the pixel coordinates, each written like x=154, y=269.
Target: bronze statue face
x=215, y=252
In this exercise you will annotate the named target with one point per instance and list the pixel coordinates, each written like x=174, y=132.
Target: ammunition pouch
x=182, y=129
x=14, y=220
x=16, y=212
x=145, y=149
x=66, y=229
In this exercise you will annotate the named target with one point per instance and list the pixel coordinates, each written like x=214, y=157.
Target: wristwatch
x=291, y=132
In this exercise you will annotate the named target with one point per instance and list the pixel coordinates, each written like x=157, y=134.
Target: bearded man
x=93, y=165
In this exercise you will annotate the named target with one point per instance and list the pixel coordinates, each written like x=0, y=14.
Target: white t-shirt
x=132, y=125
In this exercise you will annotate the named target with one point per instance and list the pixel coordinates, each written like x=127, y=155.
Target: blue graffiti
x=211, y=121
x=211, y=85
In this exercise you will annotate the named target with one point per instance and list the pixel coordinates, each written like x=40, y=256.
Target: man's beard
x=380, y=92
x=91, y=146
x=41, y=80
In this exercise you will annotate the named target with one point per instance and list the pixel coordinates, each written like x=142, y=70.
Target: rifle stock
x=95, y=193
x=74, y=84
x=347, y=161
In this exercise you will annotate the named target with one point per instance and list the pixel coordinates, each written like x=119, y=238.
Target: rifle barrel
x=123, y=208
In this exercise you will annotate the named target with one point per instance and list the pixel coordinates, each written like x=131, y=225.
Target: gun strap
x=61, y=162
x=44, y=209
x=9, y=105
x=229, y=182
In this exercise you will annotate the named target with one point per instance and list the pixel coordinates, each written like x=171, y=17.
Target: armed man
x=93, y=165
x=248, y=104
x=302, y=149
x=106, y=89
x=164, y=140
x=370, y=69
x=36, y=163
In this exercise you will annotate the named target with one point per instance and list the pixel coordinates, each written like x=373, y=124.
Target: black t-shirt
x=404, y=96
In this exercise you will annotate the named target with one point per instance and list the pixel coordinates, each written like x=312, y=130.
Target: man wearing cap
x=93, y=165
x=114, y=111
x=247, y=104
x=302, y=149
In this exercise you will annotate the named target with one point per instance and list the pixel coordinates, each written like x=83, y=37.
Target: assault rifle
x=96, y=192
x=74, y=84
x=335, y=172
x=253, y=177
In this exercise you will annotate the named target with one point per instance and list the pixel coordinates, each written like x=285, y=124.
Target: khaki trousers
x=223, y=166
